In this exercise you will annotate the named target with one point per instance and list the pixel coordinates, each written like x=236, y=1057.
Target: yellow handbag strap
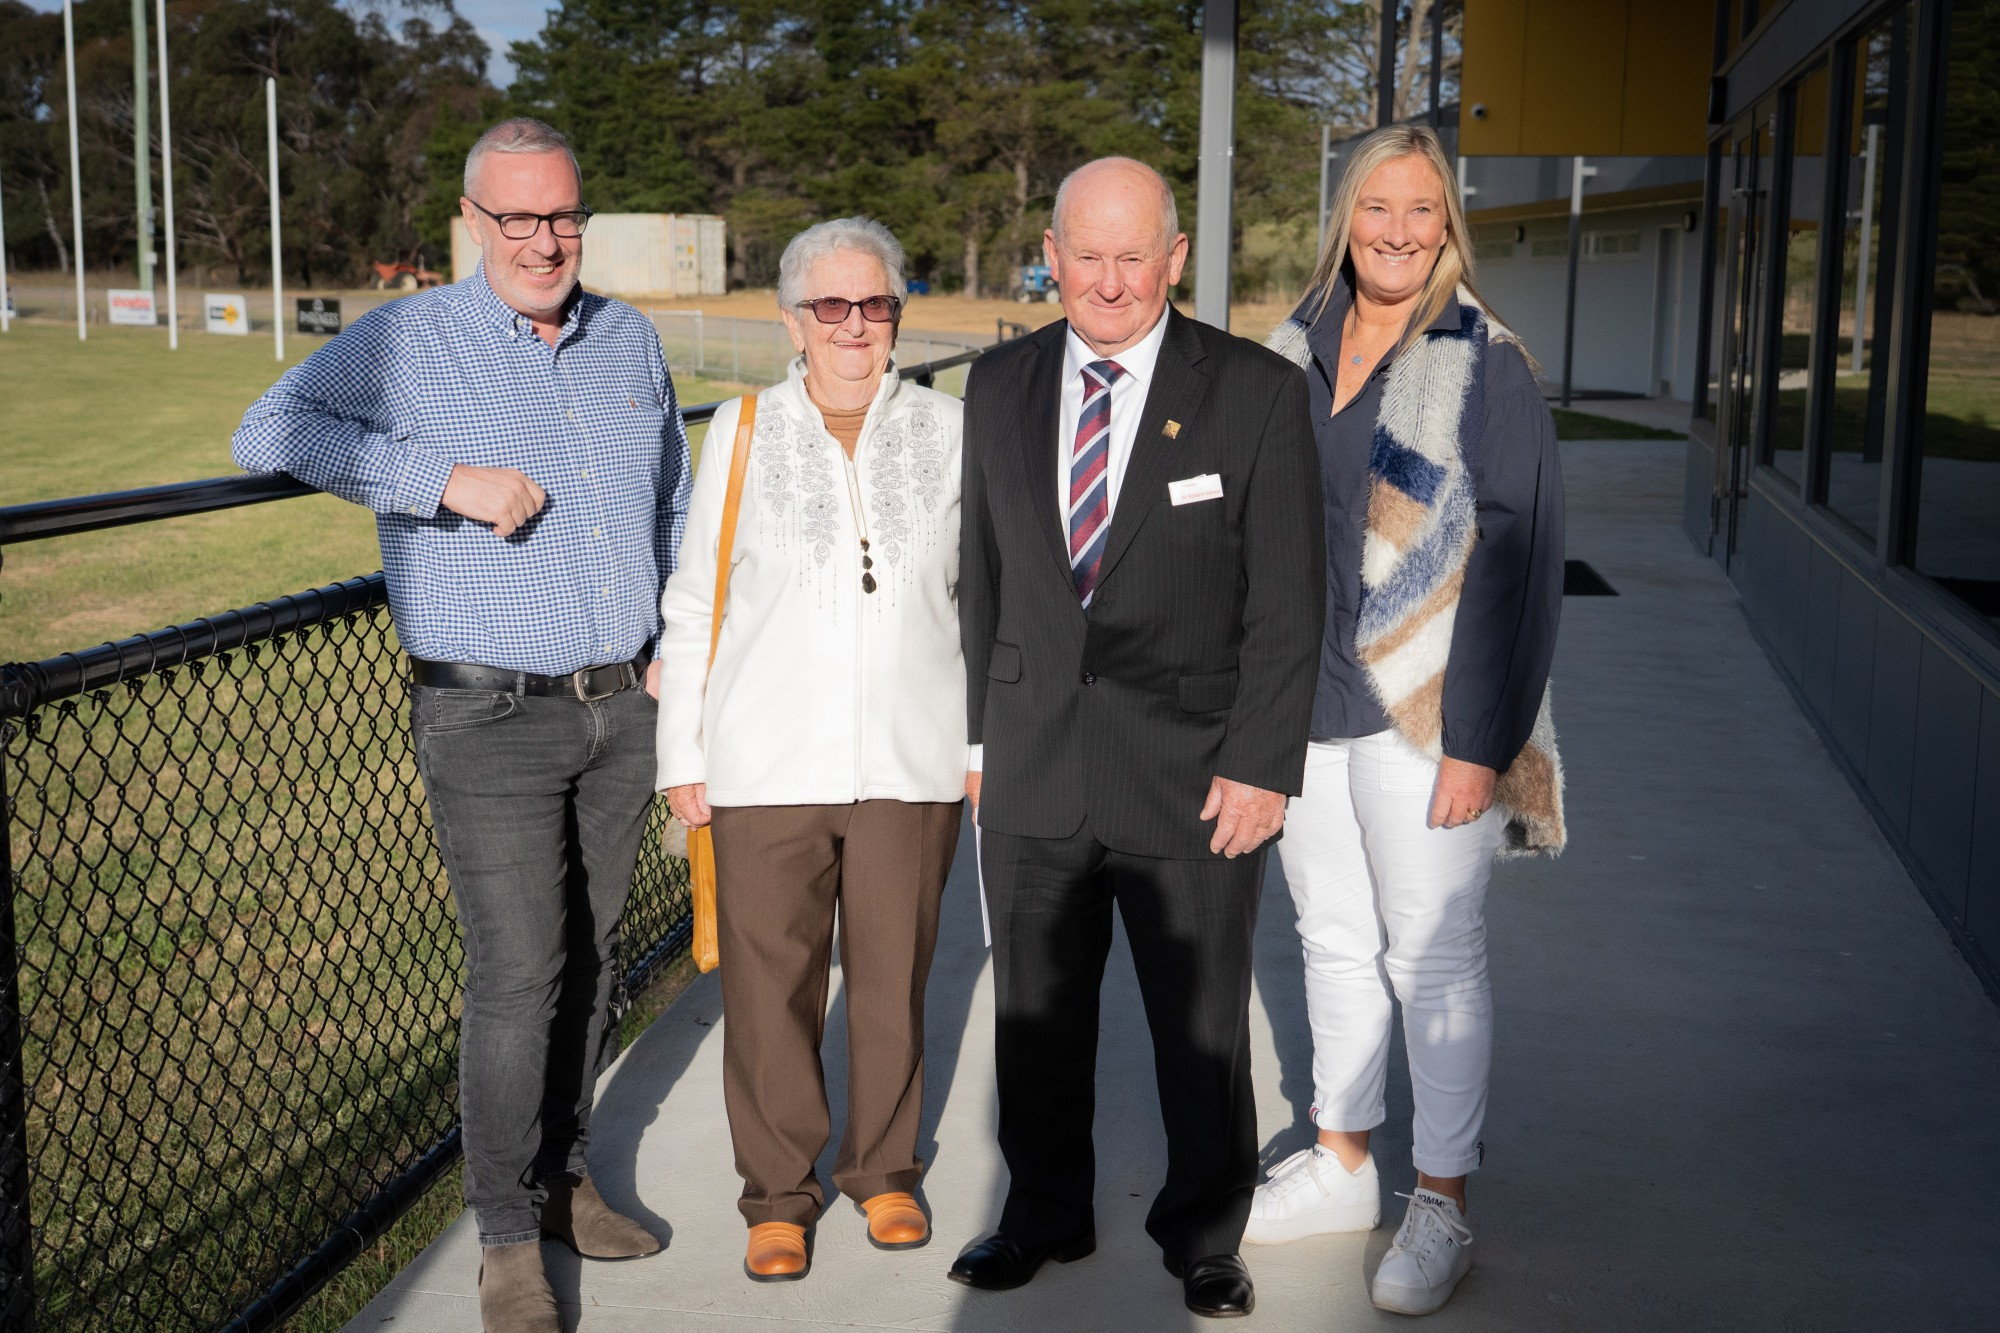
x=739, y=465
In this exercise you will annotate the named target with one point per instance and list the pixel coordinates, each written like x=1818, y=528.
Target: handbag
x=701, y=841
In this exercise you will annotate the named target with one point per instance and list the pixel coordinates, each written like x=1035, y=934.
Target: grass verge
x=1588, y=426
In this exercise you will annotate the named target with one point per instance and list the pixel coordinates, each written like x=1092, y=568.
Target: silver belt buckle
x=583, y=696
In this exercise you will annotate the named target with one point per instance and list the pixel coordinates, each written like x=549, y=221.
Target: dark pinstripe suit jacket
x=1201, y=649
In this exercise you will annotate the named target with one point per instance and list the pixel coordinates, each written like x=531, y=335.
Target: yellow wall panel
x=1574, y=75
x=1561, y=77
x=1495, y=33
x=1669, y=45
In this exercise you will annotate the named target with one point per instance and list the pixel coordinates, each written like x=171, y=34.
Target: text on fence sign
x=317, y=314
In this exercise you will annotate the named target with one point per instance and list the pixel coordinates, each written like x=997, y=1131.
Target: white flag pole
x=5, y=322
x=277, y=263
x=167, y=181
x=75, y=166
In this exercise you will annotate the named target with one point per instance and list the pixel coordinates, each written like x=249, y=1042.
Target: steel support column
x=1214, y=186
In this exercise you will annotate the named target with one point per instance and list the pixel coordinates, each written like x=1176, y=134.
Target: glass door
x=1747, y=171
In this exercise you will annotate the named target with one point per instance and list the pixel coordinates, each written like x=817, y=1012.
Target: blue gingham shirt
x=380, y=414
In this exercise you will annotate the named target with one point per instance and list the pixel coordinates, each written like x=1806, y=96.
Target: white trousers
x=1390, y=907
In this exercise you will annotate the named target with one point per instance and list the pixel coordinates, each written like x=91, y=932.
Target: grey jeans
x=539, y=805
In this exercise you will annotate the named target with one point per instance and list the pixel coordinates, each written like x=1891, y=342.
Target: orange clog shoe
x=776, y=1253
x=895, y=1222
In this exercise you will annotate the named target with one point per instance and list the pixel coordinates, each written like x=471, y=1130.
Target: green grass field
x=121, y=411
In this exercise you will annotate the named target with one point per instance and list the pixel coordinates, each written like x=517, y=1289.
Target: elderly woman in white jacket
x=827, y=743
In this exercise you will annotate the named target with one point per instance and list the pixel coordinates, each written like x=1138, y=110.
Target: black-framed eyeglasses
x=522, y=226
x=835, y=309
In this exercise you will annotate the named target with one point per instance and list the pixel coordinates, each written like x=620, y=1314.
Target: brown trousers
x=781, y=874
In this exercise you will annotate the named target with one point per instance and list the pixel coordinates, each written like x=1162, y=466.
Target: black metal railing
x=229, y=969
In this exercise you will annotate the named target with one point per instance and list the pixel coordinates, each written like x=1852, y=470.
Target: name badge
x=1208, y=486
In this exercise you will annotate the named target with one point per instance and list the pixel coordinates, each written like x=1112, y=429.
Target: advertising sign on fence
x=226, y=314
x=319, y=315
x=132, y=307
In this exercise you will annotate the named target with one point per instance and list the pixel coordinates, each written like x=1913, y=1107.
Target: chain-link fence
x=237, y=967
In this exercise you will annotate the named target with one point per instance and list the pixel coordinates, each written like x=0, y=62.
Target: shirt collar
x=891, y=385
x=1324, y=333
x=1137, y=361
x=486, y=303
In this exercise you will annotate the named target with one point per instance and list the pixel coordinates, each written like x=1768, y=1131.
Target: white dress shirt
x=1128, y=402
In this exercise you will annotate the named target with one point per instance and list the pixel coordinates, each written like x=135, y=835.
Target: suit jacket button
x=1089, y=678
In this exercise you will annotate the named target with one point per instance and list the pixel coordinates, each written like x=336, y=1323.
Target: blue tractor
x=1035, y=284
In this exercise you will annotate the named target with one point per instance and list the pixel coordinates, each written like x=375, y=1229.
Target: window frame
x=1819, y=361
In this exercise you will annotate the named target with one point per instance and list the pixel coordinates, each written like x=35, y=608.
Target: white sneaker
x=1432, y=1251
x=1311, y=1194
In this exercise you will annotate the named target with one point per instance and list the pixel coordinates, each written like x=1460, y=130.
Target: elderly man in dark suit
x=1140, y=599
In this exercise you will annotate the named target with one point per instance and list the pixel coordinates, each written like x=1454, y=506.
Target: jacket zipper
x=860, y=609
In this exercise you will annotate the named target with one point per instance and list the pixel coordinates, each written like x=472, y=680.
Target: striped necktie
x=1089, y=478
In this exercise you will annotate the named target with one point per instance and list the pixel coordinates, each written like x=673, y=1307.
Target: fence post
x=17, y=1248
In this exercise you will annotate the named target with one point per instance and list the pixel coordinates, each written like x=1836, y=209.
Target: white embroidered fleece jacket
x=821, y=693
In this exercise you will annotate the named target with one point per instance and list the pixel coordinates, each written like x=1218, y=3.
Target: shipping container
x=636, y=254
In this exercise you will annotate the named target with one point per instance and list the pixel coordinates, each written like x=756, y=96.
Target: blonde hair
x=1453, y=269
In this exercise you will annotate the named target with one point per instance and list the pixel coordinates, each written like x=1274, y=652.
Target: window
x=1879, y=102
x=1717, y=290
x=1958, y=490
x=1611, y=245
x=1549, y=247
x=1493, y=249
x=1797, y=257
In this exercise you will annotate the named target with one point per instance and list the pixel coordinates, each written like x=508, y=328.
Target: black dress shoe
x=1217, y=1287
x=1000, y=1262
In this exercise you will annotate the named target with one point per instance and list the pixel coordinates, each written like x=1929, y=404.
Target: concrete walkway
x=1742, y=1079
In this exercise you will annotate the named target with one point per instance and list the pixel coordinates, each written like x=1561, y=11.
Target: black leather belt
x=587, y=685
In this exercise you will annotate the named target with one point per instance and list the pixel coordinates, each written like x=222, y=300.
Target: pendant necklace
x=860, y=522
x=852, y=476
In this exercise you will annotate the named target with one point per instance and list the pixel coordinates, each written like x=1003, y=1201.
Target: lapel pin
x=1173, y=430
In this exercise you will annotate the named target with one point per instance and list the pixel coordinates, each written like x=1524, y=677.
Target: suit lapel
x=1177, y=390
x=1041, y=439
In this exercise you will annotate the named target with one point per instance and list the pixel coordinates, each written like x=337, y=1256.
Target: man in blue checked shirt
x=520, y=444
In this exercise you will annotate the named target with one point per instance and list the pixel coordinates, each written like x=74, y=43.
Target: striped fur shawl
x=1422, y=524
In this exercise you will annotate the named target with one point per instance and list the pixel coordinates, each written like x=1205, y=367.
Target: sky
x=498, y=21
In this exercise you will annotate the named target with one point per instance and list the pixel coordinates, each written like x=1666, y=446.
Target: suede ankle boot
x=514, y=1295
x=576, y=1214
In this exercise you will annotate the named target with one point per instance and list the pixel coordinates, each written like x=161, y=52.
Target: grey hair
x=522, y=134
x=823, y=239
x=1170, y=213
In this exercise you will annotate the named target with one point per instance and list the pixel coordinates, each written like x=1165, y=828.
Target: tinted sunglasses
x=834, y=309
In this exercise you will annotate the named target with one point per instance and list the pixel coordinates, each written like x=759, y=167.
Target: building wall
x=1911, y=712
x=1585, y=76
x=1638, y=286
x=1857, y=509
